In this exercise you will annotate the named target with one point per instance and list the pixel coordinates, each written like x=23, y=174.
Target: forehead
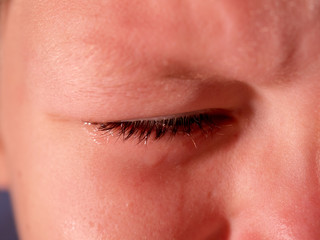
x=100, y=50
x=228, y=37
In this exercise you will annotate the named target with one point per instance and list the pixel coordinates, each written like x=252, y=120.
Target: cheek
x=64, y=187
x=112, y=191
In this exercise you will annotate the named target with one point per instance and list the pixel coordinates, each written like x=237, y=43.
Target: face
x=221, y=98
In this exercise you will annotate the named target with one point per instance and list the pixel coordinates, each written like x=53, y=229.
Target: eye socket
x=188, y=124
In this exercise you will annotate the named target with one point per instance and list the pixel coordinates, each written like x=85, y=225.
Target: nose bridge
x=276, y=192
x=297, y=138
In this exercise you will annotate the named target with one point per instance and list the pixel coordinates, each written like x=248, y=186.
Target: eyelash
x=204, y=122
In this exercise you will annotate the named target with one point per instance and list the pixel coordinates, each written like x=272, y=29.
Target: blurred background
x=7, y=227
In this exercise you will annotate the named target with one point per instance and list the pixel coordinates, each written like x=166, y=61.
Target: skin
x=65, y=62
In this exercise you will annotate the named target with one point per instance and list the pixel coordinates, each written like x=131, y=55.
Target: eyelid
x=204, y=121
x=215, y=111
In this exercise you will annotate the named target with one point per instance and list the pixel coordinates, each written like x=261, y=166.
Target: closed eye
x=188, y=124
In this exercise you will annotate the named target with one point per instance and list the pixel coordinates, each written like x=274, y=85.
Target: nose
x=276, y=190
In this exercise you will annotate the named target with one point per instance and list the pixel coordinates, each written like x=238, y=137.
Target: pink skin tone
x=67, y=62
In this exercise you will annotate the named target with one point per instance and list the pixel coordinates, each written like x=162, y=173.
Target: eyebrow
x=174, y=93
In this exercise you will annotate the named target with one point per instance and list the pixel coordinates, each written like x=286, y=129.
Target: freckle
x=100, y=227
x=19, y=174
x=91, y=224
